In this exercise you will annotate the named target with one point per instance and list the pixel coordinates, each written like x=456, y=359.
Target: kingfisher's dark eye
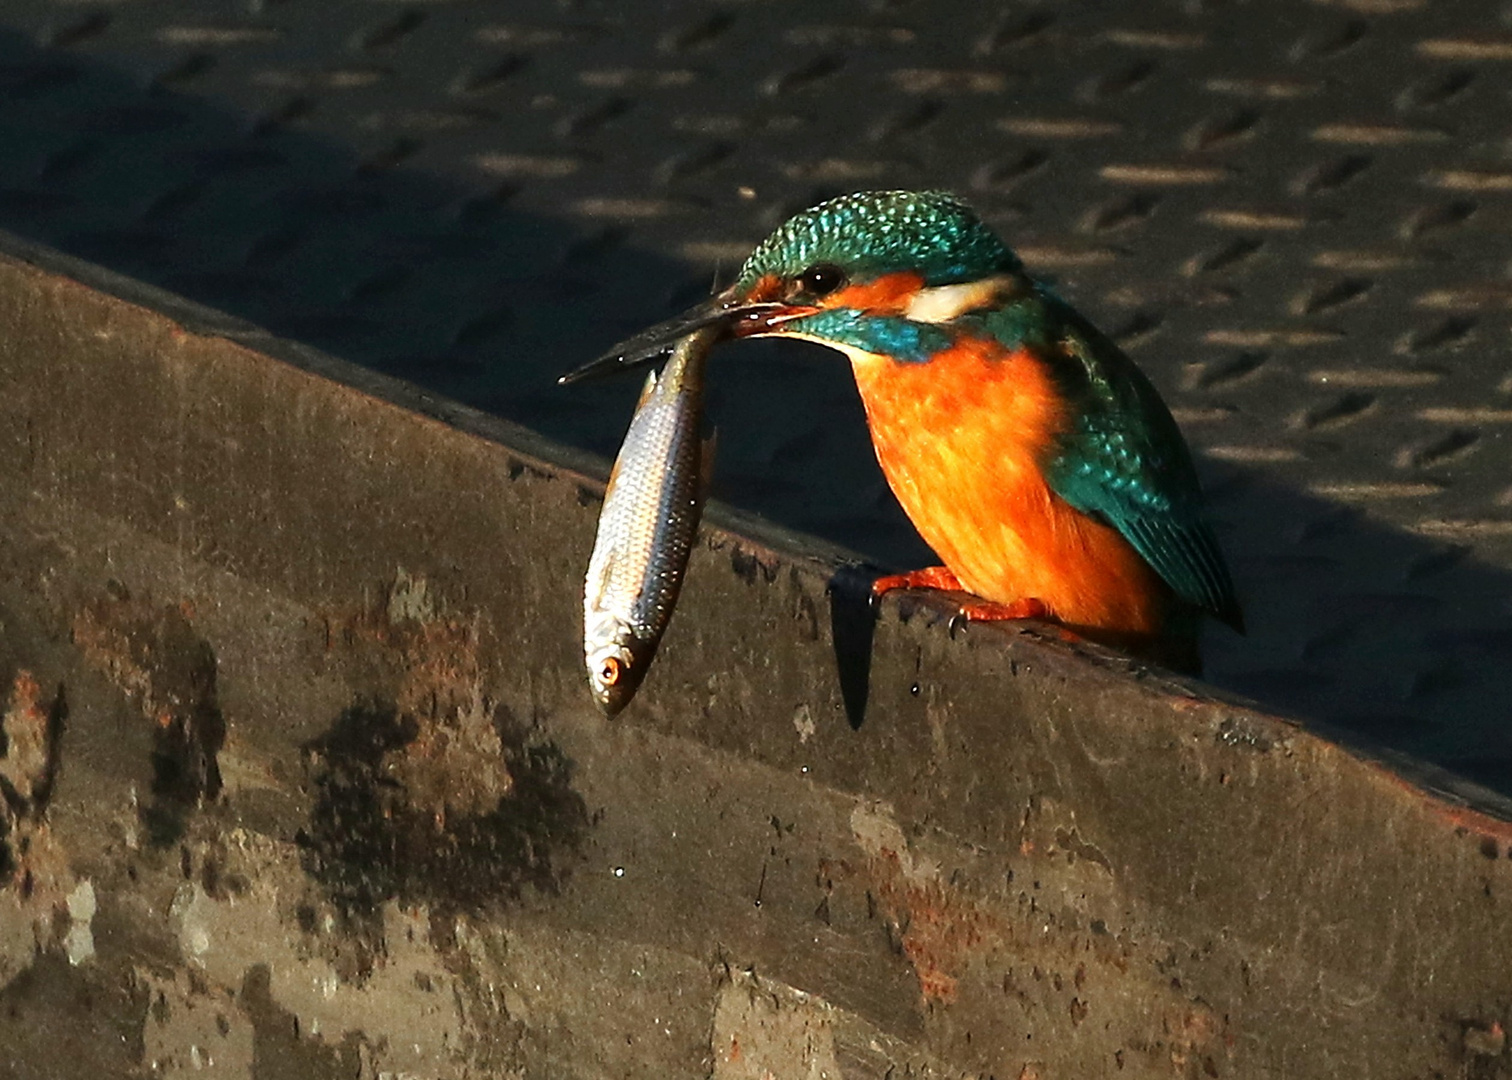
x=821, y=279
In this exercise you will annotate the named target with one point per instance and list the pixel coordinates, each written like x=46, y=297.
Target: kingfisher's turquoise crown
x=871, y=233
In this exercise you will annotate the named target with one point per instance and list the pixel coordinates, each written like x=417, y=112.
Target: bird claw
x=930, y=577
x=989, y=611
x=941, y=578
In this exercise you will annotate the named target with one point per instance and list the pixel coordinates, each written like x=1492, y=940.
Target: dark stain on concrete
x=381, y=829
x=750, y=566
x=185, y=750
x=744, y=565
x=154, y=654
x=101, y=1038
x=280, y=1049
x=8, y=861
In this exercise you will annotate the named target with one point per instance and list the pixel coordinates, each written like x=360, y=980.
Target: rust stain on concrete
x=937, y=929
x=36, y=880
x=31, y=730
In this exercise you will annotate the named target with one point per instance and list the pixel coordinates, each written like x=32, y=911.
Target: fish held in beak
x=733, y=315
x=647, y=527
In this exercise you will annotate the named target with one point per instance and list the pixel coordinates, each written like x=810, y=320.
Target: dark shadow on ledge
x=1399, y=637
x=853, y=625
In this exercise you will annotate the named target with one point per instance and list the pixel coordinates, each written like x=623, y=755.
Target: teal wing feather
x=1124, y=461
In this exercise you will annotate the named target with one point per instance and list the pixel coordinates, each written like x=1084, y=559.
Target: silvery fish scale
x=646, y=528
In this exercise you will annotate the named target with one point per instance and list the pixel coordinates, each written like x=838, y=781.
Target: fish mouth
x=615, y=672
x=737, y=317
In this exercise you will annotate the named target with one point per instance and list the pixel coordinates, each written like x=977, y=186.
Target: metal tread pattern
x=1296, y=216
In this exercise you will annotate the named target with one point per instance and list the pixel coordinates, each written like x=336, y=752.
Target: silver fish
x=646, y=529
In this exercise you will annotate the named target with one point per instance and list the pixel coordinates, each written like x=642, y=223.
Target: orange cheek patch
x=888, y=294
x=768, y=287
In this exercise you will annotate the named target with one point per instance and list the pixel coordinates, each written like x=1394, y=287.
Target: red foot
x=973, y=610
x=931, y=577
x=989, y=611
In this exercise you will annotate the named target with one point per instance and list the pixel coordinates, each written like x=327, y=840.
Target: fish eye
x=821, y=279
x=610, y=671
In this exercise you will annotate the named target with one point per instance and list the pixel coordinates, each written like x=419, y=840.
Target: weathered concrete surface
x=301, y=779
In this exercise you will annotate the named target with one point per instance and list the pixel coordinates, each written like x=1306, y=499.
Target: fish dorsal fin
x=646, y=391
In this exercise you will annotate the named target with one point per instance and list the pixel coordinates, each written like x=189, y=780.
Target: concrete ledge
x=301, y=780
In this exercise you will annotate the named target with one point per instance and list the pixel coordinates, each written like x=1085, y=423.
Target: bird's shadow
x=1401, y=637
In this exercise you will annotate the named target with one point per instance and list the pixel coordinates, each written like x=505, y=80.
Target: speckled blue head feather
x=871, y=233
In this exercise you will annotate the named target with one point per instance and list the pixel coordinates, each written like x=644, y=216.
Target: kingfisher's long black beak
x=739, y=318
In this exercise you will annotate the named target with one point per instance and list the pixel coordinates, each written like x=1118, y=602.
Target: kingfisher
x=1028, y=450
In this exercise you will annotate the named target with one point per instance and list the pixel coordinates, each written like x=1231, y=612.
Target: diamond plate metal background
x=1296, y=216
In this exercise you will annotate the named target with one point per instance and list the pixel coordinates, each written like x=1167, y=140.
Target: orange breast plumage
x=962, y=439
